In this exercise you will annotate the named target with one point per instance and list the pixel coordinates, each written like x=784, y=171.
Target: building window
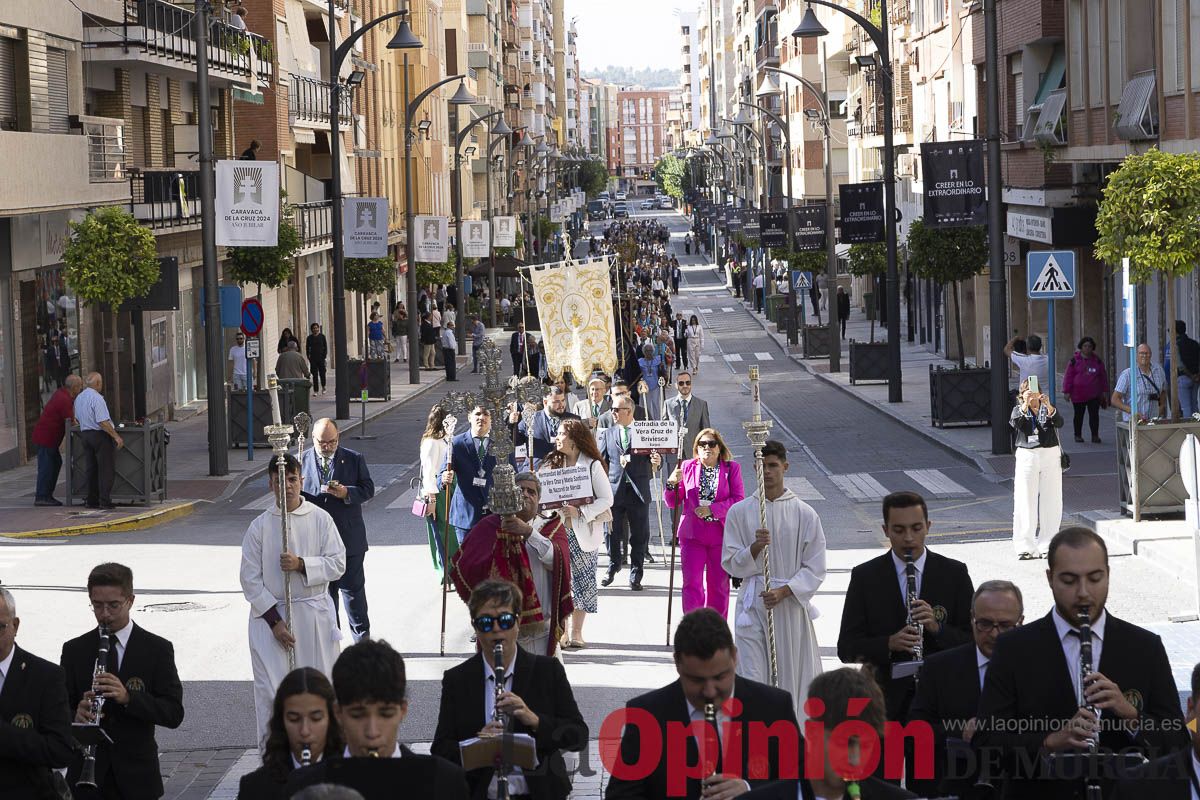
x=1095, y=50
x=1075, y=52
x=8, y=84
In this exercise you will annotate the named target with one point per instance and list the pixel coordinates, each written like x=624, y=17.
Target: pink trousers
x=702, y=570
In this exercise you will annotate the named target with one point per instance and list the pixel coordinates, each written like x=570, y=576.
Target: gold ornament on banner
x=574, y=305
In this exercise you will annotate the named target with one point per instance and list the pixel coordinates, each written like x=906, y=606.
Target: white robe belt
x=322, y=603
x=751, y=592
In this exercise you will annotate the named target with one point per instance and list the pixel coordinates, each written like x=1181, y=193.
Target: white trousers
x=1037, y=496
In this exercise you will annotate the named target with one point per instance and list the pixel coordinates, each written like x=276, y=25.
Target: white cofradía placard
x=365, y=227
x=247, y=207
x=505, y=233
x=431, y=239
x=571, y=486
x=650, y=436
x=475, y=236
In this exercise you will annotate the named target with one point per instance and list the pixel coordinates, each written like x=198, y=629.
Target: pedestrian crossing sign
x=801, y=280
x=1051, y=274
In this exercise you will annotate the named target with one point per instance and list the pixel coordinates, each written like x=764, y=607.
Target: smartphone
x=1033, y=384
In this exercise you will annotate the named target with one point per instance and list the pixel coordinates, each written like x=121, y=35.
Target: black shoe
x=47, y=501
x=635, y=586
x=1079, y=438
x=610, y=576
x=110, y=505
x=91, y=505
x=649, y=558
x=1096, y=440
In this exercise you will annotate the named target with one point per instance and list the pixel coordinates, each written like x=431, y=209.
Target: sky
x=632, y=33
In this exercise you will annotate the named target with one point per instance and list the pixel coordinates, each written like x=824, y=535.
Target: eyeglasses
x=485, y=623
x=684, y=383
x=707, y=443
x=988, y=625
x=327, y=442
x=113, y=605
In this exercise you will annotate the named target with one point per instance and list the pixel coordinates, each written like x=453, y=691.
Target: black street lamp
x=403, y=40
x=502, y=132
x=810, y=27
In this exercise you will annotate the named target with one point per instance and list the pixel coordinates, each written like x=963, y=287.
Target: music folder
x=906, y=669
x=480, y=752
x=89, y=733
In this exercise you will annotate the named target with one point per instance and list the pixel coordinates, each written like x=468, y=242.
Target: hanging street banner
x=431, y=241
x=809, y=232
x=752, y=228
x=505, y=232
x=365, y=227
x=773, y=228
x=862, y=212
x=247, y=208
x=475, y=238
x=953, y=177
x=735, y=218
x=574, y=307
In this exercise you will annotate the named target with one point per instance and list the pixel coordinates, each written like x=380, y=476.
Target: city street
x=845, y=455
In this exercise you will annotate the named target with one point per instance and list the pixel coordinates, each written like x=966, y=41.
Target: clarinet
x=710, y=717
x=305, y=756
x=911, y=595
x=87, y=775
x=499, y=716
x=1084, y=620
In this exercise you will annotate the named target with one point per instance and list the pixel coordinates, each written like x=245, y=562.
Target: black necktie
x=114, y=661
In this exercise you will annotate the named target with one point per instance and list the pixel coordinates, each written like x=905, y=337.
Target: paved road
x=845, y=456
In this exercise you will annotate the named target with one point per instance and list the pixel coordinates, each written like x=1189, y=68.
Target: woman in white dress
x=585, y=523
x=695, y=341
x=435, y=446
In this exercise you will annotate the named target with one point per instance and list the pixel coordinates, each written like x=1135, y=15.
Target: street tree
x=671, y=175
x=948, y=256
x=869, y=261
x=109, y=259
x=370, y=276
x=593, y=177
x=1149, y=214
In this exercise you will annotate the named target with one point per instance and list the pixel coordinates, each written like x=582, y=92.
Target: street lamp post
x=811, y=27
x=997, y=279
x=461, y=97
x=403, y=40
x=502, y=133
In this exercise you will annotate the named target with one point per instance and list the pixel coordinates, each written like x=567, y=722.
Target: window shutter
x=56, y=87
x=8, y=85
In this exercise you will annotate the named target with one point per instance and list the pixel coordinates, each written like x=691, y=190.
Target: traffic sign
x=1051, y=275
x=253, y=347
x=252, y=316
x=801, y=280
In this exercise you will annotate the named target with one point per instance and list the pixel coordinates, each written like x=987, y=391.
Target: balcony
x=767, y=55
x=308, y=102
x=165, y=200
x=314, y=222
x=106, y=148
x=45, y=171
x=159, y=33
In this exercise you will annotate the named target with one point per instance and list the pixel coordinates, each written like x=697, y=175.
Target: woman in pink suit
x=704, y=488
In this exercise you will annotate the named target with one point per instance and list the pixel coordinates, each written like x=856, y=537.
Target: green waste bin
x=869, y=304
x=298, y=389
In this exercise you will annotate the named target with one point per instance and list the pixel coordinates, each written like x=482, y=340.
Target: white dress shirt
x=902, y=573
x=123, y=641
x=982, y=661
x=1195, y=775
x=1070, y=644
x=6, y=665
x=516, y=778
x=697, y=715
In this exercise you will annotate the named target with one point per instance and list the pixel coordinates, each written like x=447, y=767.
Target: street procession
x=666, y=402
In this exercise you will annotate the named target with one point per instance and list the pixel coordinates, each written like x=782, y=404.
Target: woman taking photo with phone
x=1037, y=479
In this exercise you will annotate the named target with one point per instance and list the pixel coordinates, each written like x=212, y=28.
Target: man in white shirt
x=237, y=357
x=1035, y=363
x=759, y=292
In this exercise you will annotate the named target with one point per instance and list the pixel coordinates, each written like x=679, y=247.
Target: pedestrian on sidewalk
x=100, y=442
x=760, y=292
x=400, y=331
x=48, y=435
x=375, y=348
x=843, y=308
x=676, y=276
x=1037, y=478
x=1035, y=363
x=478, y=340
x=284, y=338
x=429, y=342
x=679, y=334
x=317, y=350
x=1151, y=387
x=449, y=351
x=291, y=365
x=1085, y=384
x=1189, y=368
x=687, y=246
x=237, y=357
x=695, y=341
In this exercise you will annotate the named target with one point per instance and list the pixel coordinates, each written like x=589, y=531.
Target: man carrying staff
x=318, y=557
x=797, y=543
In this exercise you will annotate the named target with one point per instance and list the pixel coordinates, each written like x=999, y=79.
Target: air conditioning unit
x=906, y=165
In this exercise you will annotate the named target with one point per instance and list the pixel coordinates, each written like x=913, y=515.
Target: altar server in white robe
x=797, y=550
x=315, y=557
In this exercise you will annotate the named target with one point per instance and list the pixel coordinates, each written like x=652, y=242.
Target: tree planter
x=868, y=361
x=140, y=466
x=816, y=341
x=1157, y=487
x=262, y=416
x=379, y=379
x=960, y=396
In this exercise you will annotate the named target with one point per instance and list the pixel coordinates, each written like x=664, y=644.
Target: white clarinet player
x=797, y=544
x=317, y=556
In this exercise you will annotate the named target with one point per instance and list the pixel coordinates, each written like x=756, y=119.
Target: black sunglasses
x=484, y=624
x=708, y=443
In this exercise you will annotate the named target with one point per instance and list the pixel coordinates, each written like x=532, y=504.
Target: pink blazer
x=687, y=497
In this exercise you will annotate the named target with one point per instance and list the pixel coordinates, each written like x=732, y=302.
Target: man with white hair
x=35, y=720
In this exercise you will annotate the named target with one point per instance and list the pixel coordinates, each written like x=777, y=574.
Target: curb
x=136, y=522
x=780, y=340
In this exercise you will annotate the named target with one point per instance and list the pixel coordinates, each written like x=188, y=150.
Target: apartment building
x=690, y=82
x=716, y=64
x=642, y=135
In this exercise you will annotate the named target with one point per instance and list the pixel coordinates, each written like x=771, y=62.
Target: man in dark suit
x=519, y=347
x=629, y=474
x=679, y=334
x=35, y=721
x=544, y=427
x=316, y=348
x=369, y=682
x=1029, y=707
x=948, y=689
x=336, y=480
x=706, y=661
x=470, y=464
x=1175, y=776
x=874, y=628
x=689, y=412
x=537, y=700
x=140, y=686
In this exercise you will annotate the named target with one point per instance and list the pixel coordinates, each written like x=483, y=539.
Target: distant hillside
x=647, y=77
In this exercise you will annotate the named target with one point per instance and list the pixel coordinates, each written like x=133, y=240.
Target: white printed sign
x=475, y=238
x=651, y=436
x=365, y=227
x=571, y=486
x=505, y=234
x=431, y=239
x=247, y=203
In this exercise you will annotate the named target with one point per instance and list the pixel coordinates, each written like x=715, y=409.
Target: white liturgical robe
x=313, y=536
x=797, y=553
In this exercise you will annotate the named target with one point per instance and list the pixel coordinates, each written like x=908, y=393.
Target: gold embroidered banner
x=574, y=305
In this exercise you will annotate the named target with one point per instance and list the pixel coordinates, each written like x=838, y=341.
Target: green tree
x=671, y=174
x=948, y=256
x=593, y=177
x=369, y=276
x=869, y=260
x=266, y=266
x=1148, y=214
x=109, y=259
x=436, y=274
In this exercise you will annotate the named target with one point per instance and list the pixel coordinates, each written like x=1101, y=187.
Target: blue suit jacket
x=350, y=470
x=466, y=507
x=543, y=443
x=638, y=470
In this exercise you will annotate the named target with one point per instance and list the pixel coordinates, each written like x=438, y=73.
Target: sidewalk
x=188, y=481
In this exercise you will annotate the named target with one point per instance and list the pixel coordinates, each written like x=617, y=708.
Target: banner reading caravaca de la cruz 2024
x=953, y=177
x=247, y=207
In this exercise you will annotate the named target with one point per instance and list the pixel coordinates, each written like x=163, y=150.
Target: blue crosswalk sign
x=1051, y=274
x=801, y=280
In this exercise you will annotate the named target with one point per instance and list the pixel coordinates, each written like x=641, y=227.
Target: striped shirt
x=91, y=410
